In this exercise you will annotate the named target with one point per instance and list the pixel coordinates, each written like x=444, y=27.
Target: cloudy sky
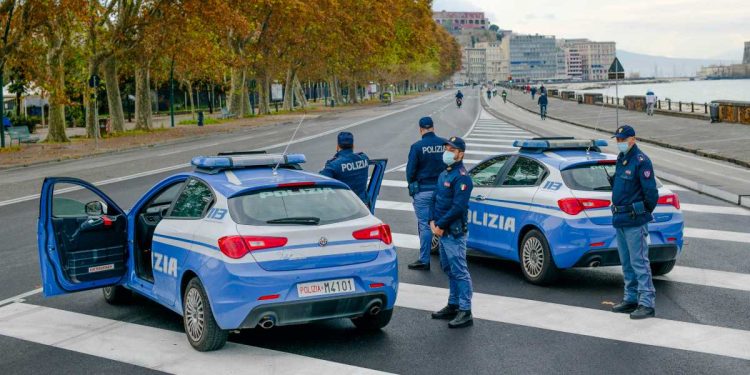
x=673, y=28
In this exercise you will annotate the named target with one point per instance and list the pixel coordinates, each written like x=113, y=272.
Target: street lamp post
x=171, y=94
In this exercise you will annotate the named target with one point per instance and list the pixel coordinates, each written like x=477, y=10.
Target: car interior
x=147, y=219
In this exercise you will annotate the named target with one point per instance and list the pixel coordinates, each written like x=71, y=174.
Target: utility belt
x=635, y=209
x=416, y=187
x=458, y=228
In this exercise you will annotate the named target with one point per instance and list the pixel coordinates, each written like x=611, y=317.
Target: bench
x=226, y=114
x=21, y=135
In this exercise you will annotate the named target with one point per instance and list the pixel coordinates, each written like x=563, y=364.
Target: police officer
x=349, y=167
x=422, y=170
x=634, y=197
x=450, y=208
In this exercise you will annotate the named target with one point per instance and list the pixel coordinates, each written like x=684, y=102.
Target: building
x=476, y=68
x=728, y=71
x=533, y=58
x=746, y=56
x=587, y=60
x=454, y=22
x=497, y=57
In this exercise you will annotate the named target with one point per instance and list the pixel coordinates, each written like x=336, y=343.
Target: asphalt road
x=518, y=329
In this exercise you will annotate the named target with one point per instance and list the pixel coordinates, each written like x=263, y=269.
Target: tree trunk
x=142, y=98
x=264, y=92
x=288, y=92
x=235, y=102
x=92, y=130
x=189, y=87
x=18, y=104
x=300, y=93
x=114, y=100
x=56, y=71
x=246, y=110
x=353, y=93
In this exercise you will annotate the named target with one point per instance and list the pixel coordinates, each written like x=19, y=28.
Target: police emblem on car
x=322, y=241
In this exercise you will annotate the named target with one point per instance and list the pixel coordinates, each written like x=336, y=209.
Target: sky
x=672, y=28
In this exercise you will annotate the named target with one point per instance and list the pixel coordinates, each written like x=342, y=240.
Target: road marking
x=587, y=322
x=679, y=274
x=720, y=235
x=150, y=347
x=481, y=138
x=675, y=187
x=485, y=145
x=492, y=153
x=709, y=209
x=269, y=147
x=20, y=297
x=394, y=183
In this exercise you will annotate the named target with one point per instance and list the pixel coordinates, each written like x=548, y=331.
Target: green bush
x=30, y=122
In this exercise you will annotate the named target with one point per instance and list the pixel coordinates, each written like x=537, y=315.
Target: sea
x=698, y=91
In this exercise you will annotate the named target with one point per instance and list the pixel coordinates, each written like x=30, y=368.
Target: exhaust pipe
x=267, y=322
x=375, y=307
x=595, y=263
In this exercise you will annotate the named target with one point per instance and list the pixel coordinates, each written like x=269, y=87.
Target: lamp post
x=171, y=93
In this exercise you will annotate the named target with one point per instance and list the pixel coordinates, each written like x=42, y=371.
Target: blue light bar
x=559, y=144
x=212, y=163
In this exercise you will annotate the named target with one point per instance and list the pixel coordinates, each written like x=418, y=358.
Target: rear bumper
x=610, y=256
x=301, y=311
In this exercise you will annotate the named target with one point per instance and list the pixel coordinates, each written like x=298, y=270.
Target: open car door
x=376, y=179
x=82, y=237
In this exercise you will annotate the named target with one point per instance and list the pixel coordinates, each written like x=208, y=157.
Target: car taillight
x=671, y=199
x=237, y=247
x=574, y=206
x=379, y=232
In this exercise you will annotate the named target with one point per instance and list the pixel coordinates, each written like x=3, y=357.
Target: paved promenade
x=723, y=141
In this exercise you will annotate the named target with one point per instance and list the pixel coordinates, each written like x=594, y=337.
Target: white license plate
x=324, y=288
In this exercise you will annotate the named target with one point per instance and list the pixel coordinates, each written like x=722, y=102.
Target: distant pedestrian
x=650, y=102
x=542, y=90
x=543, y=105
x=489, y=93
x=634, y=198
x=505, y=96
x=533, y=92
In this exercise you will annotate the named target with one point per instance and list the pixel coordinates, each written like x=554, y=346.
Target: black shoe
x=418, y=265
x=643, y=312
x=462, y=319
x=447, y=312
x=625, y=307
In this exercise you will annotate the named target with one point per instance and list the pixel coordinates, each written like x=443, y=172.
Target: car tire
x=662, y=268
x=373, y=322
x=201, y=328
x=435, y=245
x=537, y=264
x=116, y=295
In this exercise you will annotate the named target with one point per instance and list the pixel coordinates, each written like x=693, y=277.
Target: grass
x=9, y=149
x=206, y=121
x=132, y=132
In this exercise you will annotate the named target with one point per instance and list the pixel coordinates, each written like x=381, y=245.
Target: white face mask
x=623, y=146
x=449, y=158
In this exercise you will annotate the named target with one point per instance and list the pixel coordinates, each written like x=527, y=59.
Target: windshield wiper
x=603, y=188
x=302, y=220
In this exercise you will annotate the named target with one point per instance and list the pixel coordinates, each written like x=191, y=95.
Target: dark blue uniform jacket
x=426, y=161
x=450, y=204
x=634, y=182
x=351, y=169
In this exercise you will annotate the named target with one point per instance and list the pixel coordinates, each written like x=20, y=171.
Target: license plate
x=324, y=288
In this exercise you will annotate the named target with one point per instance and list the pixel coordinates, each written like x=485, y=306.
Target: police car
x=243, y=241
x=547, y=206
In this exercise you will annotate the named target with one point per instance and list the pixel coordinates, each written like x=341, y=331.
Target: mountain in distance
x=661, y=66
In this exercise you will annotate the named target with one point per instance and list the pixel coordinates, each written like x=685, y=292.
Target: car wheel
x=435, y=245
x=373, y=322
x=116, y=295
x=662, y=268
x=200, y=326
x=537, y=264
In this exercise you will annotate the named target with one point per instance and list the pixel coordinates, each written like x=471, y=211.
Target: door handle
x=480, y=197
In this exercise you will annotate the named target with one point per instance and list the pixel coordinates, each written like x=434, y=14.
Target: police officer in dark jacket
x=422, y=170
x=349, y=167
x=634, y=198
x=449, y=215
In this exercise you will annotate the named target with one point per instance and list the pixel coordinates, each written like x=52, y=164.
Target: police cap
x=457, y=142
x=624, y=131
x=425, y=122
x=346, y=139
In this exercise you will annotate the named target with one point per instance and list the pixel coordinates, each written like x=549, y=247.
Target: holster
x=413, y=188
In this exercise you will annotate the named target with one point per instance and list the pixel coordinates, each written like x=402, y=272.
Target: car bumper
x=235, y=291
x=611, y=257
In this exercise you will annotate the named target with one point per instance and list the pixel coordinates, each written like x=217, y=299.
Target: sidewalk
x=722, y=141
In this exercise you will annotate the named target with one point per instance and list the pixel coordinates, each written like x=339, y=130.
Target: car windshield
x=315, y=205
x=593, y=177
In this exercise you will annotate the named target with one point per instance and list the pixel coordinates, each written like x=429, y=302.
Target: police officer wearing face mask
x=349, y=167
x=422, y=170
x=634, y=197
x=449, y=215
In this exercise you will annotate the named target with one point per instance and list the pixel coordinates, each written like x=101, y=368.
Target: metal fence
x=666, y=105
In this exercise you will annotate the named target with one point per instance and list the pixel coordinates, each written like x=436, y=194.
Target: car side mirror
x=94, y=208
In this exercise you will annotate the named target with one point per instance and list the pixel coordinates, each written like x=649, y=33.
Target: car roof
x=232, y=182
x=562, y=159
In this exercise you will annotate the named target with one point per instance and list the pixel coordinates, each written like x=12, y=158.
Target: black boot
x=462, y=319
x=418, y=265
x=643, y=312
x=624, y=307
x=447, y=312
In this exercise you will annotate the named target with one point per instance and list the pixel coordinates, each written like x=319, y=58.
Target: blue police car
x=243, y=241
x=547, y=206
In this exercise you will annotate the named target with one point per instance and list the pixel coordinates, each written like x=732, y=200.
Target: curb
x=176, y=141
x=690, y=184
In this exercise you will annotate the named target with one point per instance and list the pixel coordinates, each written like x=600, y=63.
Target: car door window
x=525, y=172
x=193, y=201
x=488, y=172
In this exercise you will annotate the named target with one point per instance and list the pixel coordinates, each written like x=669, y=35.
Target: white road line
x=485, y=145
x=395, y=183
x=720, y=235
x=709, y=209
x=20, y=297
x=268, y=147
x=152, y=348
x=481, y=138
x=489, y=153
x=588, y=322
x=679, y=274
x=675, y=187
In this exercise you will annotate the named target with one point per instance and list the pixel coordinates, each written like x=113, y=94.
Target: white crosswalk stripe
x=489, y=153
x=152, y=348
x=680, y=274
x=503, y=145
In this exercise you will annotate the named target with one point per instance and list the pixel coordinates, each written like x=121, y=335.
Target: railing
x=666, y=105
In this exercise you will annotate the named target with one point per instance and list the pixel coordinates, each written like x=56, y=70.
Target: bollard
x=200, y=118
x=669, y=105
x=705, y=108
x=692, y=107
x=333, y=103
x=680, y=104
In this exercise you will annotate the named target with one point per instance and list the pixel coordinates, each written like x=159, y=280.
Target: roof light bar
x=543, y=144
x=215, y=163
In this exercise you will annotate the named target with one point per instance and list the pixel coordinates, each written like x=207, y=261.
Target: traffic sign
x=94, y=81
x=616, y=71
